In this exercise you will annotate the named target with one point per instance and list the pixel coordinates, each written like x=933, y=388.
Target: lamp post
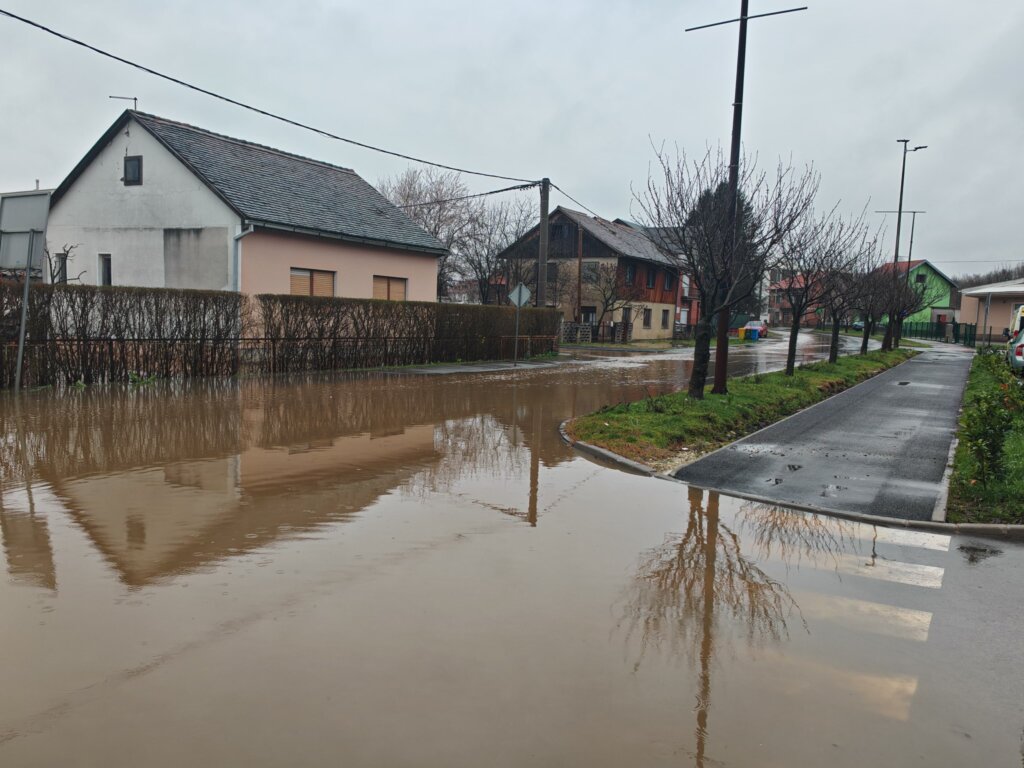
x=899, y=211
x=892, y=328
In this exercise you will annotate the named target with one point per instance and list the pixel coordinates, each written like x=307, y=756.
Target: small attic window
x=132, y=170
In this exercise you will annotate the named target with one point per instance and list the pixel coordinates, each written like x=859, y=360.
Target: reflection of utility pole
x=708, y=620
x=531, y=516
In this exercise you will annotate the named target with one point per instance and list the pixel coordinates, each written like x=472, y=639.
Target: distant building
x=943, y=298
x=160, y=203
x=585, y=251
x=993, y=307
x=780, y=310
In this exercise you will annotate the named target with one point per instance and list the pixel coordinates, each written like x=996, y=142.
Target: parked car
x=857, y=325
x=1015, y=353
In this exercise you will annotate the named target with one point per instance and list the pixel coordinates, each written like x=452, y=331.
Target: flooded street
x=394, y=569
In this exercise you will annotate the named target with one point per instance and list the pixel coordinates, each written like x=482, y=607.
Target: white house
x=165, y=204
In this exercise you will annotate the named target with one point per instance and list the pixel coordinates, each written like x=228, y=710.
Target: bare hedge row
x=91, y=334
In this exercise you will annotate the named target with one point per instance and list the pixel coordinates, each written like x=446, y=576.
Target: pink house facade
x=164, y=204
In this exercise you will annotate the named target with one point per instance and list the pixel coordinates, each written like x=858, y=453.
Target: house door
x=627, y=315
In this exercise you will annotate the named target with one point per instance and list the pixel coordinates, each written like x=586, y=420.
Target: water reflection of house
x=27, y=549
x=160, y=521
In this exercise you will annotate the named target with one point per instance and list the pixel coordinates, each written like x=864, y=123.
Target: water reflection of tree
x=684, y=588
x=793, y=536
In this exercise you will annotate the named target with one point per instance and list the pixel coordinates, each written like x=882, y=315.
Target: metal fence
x=953, y=333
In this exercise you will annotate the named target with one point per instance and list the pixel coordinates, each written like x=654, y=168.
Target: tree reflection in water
x=793, y=536
x=685, y=587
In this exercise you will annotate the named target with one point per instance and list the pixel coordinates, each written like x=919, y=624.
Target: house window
x=664, y=318
x=106, y=276
x=590, y=271
x=630, y=274
x=670, y=281
x=61, y=275
x=652, y=277
x=920, y=277
x=647, y=317
x=312, y=282
x=588, y=315
x=132, y=171
x=389, y=288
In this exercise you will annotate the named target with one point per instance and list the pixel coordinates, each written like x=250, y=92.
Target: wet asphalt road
x=879, y=448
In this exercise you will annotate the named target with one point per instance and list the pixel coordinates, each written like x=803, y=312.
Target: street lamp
x=899, y=212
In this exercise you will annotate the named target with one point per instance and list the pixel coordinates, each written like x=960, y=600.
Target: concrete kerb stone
x=993, y=530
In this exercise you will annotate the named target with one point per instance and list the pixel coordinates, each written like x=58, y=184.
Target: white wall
x=100, y=214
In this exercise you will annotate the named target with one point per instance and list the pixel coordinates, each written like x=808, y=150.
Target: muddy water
x=413, y=570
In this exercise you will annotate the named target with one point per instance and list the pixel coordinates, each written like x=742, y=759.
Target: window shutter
x=300, y=282
x=323, y=284
x=380, y=287
x=397, y=289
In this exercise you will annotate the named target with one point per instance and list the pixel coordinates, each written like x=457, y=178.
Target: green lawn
x=999, y=498
x=659, y=428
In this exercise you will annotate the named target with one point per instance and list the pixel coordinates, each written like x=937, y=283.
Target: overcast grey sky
x=572, y=90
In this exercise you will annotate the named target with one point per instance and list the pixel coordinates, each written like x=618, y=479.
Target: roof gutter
x=346, y=238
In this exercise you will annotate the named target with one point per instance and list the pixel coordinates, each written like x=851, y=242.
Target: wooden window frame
x=630, y=274
x=652, y=278
x=664, y=318
x=648, y=316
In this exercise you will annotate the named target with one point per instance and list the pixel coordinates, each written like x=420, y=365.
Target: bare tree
x=686, y=203
x=608, y=287
x=816, y=256
x=430, y=198
x=843, y=291
x=58, y=264
x=494, y=227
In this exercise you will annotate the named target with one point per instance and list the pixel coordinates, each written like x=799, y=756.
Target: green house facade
x=941, y=292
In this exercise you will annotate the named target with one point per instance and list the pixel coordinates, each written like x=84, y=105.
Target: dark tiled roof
x=630, y=241
x=268, y=186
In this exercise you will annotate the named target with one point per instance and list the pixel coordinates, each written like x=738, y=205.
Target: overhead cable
x=243, y=105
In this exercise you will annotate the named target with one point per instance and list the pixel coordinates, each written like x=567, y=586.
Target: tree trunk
x=721, y=386
x=794, y=332
x=887, y=339
x=833, y=347
x=869, y=327
x=701, y=357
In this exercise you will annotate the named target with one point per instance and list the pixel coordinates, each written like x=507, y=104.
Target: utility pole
x=913, y=224
x=720, y=386
x=579, y=273
x=542, y=256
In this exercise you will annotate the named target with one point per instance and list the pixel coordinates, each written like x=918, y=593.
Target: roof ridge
x=263, y=147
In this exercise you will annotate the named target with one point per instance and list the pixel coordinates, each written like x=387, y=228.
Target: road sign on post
x=519, y=296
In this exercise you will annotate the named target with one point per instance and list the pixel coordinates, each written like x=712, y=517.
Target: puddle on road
x=398, y=570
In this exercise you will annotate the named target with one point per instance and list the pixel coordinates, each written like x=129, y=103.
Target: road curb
x=993, y=530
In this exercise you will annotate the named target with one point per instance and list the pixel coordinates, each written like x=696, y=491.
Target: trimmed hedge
x=87, y=334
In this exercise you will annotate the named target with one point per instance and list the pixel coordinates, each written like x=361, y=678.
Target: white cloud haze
x=572, y=90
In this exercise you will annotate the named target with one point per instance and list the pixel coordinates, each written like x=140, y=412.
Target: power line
x=556, y=186
x=249, y=107
x=530, y=185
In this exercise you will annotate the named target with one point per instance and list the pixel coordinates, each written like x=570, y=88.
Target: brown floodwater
x=396, y=569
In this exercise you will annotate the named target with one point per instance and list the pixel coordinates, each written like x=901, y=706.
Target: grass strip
x=657, y=429
x=999, y=498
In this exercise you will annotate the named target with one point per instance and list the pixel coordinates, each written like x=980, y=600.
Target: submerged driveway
x=879, y=448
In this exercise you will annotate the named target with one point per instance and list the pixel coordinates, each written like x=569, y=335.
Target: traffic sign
x=520, y=295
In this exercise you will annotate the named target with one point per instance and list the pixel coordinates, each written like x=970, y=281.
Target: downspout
x=236, y=255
